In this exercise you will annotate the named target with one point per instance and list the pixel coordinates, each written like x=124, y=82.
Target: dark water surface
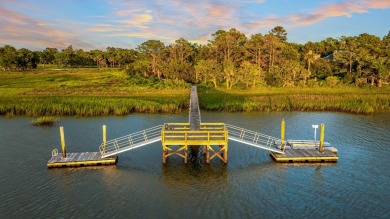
x=250, y=186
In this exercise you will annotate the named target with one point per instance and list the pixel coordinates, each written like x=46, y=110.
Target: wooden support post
x=104, y=139
x=164, y=155
x=322, y=135
x=208, y=154
x=282, y=128
x=62, y=142
x=225, y=154
x=186, y=154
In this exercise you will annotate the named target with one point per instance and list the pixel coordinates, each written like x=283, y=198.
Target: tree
x=231, y=74
x=310, y=57
x=228, y=45
x=111, y=56
x=47, y=56
x=279, y=32
x=209, y=70
x=8, y=58
x=254, y=49
x=151, y=53
x=348, y=48
x=25, y=59
x=251, y=74
x=99, y=57
x=180, y=60
x=330, y=45
x=125, y=57
x=273, y=46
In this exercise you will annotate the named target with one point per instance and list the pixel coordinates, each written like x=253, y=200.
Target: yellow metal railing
x=180, y=134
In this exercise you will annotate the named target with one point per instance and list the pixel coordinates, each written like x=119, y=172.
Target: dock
x=305, y=151
x=304, y=156
x=80, y=160
x=177, y=138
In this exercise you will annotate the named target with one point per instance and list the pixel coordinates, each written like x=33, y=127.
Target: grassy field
x=345, y=99
x=87, y=92
x=95, y=92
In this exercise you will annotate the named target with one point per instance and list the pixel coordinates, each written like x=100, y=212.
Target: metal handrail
x=131, y=141
x=253, y=138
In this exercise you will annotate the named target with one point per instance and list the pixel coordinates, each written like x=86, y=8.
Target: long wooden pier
x=194, y=115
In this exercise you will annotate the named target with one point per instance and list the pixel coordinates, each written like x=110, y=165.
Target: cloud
x=196, y=20
x=168, y=20
x=19, y=30
x=126, y=12
x=378, y=4
x=325, y=11
x=138, y=20
x=328, y=11
x=132, y=20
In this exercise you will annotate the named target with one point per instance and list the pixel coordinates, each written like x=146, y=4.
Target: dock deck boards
x=194, y=110
x=305, y=156
x=80, y=159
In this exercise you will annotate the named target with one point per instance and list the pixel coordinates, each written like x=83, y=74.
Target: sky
x=98, y=24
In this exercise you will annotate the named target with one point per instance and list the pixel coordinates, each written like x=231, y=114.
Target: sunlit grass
x=87, y=92
x=353, y=100
x=95, y=92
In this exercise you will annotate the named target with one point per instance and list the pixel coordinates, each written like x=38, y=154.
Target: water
x=250, y=186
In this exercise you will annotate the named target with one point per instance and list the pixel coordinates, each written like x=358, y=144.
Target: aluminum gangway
x=254, y=139
x=131, y=141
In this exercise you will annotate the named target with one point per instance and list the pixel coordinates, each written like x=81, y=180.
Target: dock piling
x=63, y=142
x=104, y=139
x=321, y=147
x=282, y=128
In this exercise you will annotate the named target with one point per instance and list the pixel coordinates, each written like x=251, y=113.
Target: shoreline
x=121, y=106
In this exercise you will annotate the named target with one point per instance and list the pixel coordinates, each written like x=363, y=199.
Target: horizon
x=90, y=25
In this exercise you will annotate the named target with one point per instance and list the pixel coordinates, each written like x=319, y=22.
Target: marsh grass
x=87, y=92
x=297, y=99
x=44, y=121
x=96, y=92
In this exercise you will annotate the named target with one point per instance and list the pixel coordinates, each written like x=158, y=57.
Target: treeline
x=231, y=58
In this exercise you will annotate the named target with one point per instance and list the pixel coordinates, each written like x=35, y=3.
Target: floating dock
x=305, y=151
x=80, y=160
x=304, y=156
x=65, y=159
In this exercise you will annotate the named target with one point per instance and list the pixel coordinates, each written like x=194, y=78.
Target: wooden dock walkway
x=305, y=156
x=194, y=110
x=80, y=159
